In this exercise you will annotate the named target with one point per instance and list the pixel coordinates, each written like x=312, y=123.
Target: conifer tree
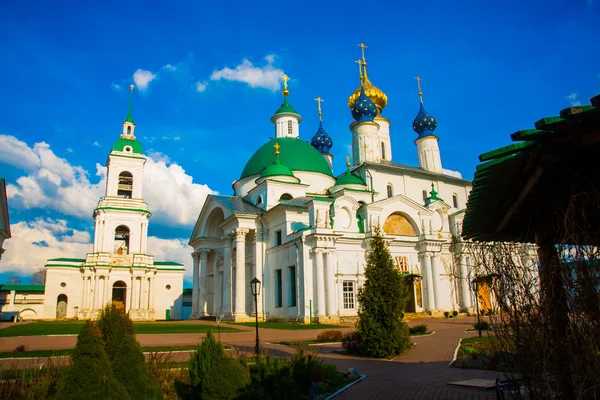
x=125, y=354
x=381, y=300
x=90, y=375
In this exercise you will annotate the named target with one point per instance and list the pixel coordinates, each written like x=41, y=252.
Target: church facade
x=304, y=232
x=119, y=268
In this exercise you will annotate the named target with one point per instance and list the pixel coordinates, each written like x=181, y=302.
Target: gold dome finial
x=348, y=161
x=285, y=90
x=418, y=78
x=319, y=100
x=277, y=146
x=376, y=95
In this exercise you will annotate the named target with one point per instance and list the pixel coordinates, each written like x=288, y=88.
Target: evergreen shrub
x=350, y=342
x=382, y=301
x=481, y=326
x=446, y=314
x=225, y=380
x=455, y=313
x=90, y=375
x=330, y=336
x=418, y=329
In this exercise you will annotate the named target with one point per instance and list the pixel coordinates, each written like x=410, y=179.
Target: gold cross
x=347, y=161
x=277, y=146
x=285, y=80
x=363, y=47
x=319, y=100
x=418, y=78
x=360, y=64
x=131, y=87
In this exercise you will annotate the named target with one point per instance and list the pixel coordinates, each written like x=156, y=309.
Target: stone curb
x=331, y=396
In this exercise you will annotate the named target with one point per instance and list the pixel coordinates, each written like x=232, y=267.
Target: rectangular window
x=292, y=289
x=348, y=295
x=278, y=238
x=278, y=287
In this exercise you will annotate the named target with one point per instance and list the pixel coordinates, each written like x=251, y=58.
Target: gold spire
x=131, y=88
x=277, y=146
x=418, y=78
x=348, y=161
x=376, y=95
x=285, y=90
x=319, y=100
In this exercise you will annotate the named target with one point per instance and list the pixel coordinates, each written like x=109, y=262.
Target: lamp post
x=475, y=285
x=255, y=287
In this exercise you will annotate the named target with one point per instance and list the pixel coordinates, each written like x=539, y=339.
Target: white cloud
x=54, y=184
x=267, y=77
x=35, y=242
x=573, y=100
x=201, y=86
x=116, y=87
x=69, y=150
x=158, y=156
x=96, y=143
x=170, y=67
x=142, y=79
x=450, y=172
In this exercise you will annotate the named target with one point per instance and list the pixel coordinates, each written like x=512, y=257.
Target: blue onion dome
x=424, y=123
x=364, y=109
x=321, y=140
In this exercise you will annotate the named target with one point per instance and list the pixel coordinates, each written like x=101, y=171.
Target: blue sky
x=488, y=69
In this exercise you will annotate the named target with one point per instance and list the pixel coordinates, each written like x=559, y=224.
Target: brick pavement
x=420, y=373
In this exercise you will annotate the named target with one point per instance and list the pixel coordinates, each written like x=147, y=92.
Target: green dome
x=121, y=143
x=286, y=108
x=296, y=154
x=349, y=179
x=276, y=169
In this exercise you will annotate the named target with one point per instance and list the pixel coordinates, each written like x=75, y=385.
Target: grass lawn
x=474, y=346
x=302, y=342
x=40, y=328
x=290, y=326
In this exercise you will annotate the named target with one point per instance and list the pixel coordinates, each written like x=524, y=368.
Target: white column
x=319, y=276
x=144, y=294
x=330, y=283
x=240, y=272
x=195, y=259
x=202, y=283
x=429, y=279
x=95, y=293
x=258, y=268
x=464, y=282
x=131, y=295
x=436, y=266
x=84, y=293
x=153, y=284
x=216, y=288
x=107, y=297
x=226, y=307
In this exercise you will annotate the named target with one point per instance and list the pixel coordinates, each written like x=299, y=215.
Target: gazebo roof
x=523, y=186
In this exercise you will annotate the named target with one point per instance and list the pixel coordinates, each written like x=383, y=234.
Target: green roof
x=167, y=263
x=276, y=169
x=136, y=147
x=296, y=154
x=518, y=187
x=68, y=259
x=23, y=288
x=286, y=108
x=350, y=179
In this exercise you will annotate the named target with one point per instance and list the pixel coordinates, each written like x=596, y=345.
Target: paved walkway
x=420, y=373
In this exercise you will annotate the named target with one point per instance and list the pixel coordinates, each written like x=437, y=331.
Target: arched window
x=455, y=200
x=425, y=195
x=125, y=186
x=129, y=130
x=390, y=190
x=122, y=240
x=289, y=127
x=383, y=150
x=286, y=196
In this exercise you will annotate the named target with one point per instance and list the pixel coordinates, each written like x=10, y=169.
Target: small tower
x=427, y=142
x=121, y=218
x=364, y=130
x=286, y=118
x=321, y=140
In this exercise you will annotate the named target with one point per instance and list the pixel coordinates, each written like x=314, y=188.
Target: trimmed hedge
x=330, y=336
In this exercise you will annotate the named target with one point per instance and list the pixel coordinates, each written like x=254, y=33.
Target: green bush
x=482, y=326
x=418, y=329
x=225, y=380
x=271, y=380
x=330, y=336
x=446, y=314
x=126, y=355
x=382, y=300
x=350, y=342
x=90, y=376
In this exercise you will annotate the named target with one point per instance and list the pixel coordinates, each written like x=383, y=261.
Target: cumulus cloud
x=450, y=172
x=267, y=77
x=201, y=86
x=142, y=79
x=116, y=87
x=35, y=242
x=54, y=184
x=96, y=143
x=573, y=99
x=170, y=67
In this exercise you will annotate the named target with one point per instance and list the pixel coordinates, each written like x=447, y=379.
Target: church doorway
x=414, y=298
x=61, y=306
x=119, y=293
x=122, y=240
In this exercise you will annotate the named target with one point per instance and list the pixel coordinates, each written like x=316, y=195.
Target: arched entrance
x=119, y=293
x=61, y=306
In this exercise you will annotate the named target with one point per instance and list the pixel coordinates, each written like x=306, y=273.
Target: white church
x=304, y=232
x=118, y=269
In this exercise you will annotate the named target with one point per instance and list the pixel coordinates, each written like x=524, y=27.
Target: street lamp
x=255, y=287
x=475, y=285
